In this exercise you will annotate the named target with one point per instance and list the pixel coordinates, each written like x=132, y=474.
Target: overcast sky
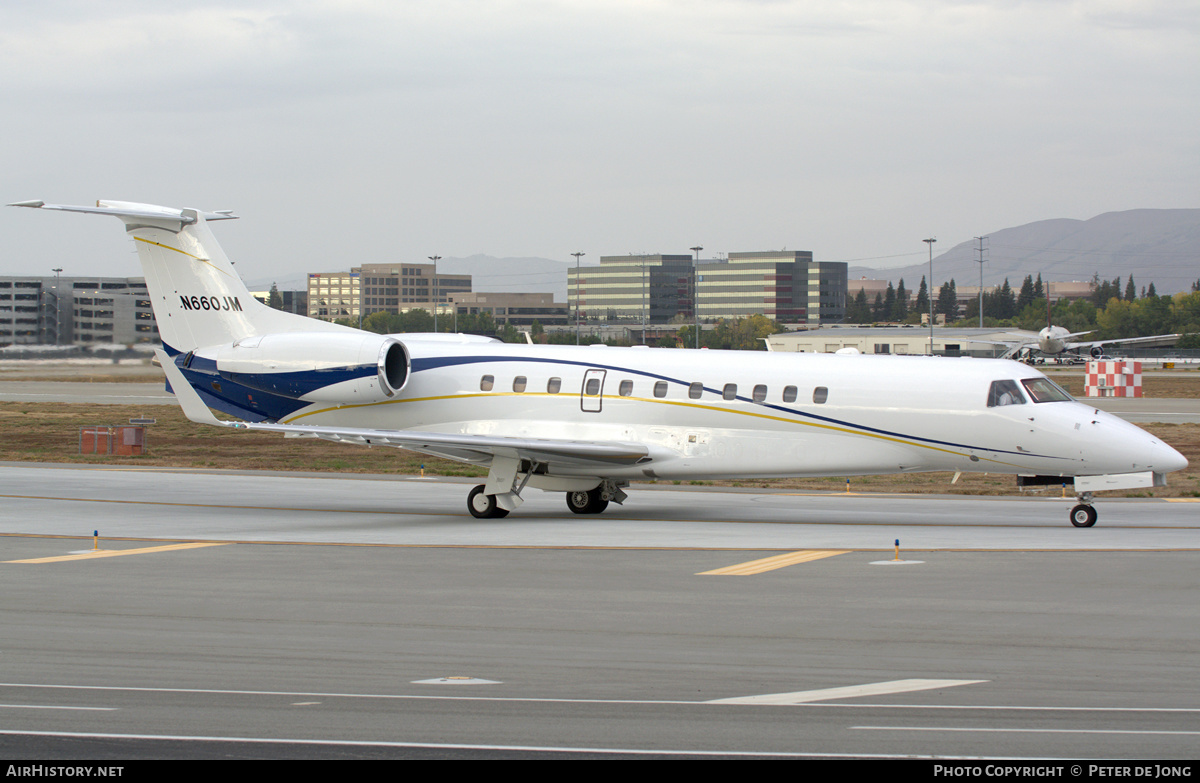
x=350, y=132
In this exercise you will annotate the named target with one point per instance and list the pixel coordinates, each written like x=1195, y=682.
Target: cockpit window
x=1045, y=390
x=1005, y=393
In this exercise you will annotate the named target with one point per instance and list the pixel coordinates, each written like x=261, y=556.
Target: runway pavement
x=409, y=511
x=373, y=617
x=258, y=615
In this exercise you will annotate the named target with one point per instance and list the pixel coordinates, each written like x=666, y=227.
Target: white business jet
x=586, y=421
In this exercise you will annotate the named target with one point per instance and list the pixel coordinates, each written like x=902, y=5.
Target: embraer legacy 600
x=586, y=421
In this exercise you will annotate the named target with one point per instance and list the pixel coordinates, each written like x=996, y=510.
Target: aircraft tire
x=484, y=506
x=1083, y=515
x=588, y=502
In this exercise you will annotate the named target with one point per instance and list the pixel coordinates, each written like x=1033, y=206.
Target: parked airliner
x=586, y=421
x=1055, y=341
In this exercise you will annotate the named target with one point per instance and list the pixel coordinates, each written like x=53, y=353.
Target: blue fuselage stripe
x=420, y=365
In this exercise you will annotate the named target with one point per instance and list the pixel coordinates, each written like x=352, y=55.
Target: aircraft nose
x=1166, y=459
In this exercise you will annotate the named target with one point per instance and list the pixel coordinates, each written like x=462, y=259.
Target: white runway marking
x=849, y=692
x=1023, y=731
x=53, y=707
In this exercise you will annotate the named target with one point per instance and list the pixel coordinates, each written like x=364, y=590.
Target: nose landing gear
x=1084, y=514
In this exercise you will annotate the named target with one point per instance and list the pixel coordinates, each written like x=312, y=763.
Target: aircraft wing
x=1123, y=340
x=1014, y=346
x=454, y=446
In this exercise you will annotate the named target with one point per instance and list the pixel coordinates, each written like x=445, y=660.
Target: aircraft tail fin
x=198, y=298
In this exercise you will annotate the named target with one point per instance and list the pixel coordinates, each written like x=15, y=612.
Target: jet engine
x=347, y=368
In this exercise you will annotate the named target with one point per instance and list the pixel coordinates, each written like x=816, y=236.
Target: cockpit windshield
x=1045, y=390
x=1005, y=393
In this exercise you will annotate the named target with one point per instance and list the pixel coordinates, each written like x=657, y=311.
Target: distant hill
x=1160, y=246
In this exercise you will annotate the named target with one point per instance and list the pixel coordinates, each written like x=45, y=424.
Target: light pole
x=435, y=259
x=696, y=292
x=981, y=239
x=643, y=300
x=57, y=309
x=577, y=325
x=930, y=243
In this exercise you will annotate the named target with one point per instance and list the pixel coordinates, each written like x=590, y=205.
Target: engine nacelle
x=346, y=368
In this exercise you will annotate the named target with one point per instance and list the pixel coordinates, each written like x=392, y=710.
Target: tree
x=1130, y=290
x=947, y=301
x=859, y=312
x=1026, y=295
x=922, y=303
x=901, y=302
x=1102, y=292
x=274, y=299
x=1000, y=303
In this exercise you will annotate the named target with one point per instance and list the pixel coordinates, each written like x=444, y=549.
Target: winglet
x=193, y=407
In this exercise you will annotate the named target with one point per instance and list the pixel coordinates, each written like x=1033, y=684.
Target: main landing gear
x=1084, y=515
x=591, y=501
x=508, y=476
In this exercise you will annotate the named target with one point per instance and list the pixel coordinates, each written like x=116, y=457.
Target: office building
x=786, y=286
x=652, y=288
x=374, y=287
x=72, y=310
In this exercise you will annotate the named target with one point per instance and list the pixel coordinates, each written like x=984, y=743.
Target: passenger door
x=591, y=395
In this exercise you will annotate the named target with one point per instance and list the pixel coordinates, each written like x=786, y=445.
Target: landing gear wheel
x=1083, y=515
x=484, y=506
x=588, y=502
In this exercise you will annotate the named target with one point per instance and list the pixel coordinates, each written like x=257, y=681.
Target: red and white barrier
x=1113, y=379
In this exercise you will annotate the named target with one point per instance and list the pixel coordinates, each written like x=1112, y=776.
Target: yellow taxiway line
x=117, y=552
x=772, y=563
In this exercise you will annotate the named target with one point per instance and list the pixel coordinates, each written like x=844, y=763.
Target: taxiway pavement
x=294, y=616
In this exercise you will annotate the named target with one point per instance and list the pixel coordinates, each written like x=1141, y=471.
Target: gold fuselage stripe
x=657, y=401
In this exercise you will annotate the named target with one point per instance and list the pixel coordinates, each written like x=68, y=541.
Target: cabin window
x=760, y=393
x=593, y=387
x=554, y=386
x=625, y=389
x=729, y=392
x=789, y=393
x=660, y=389
x=1005, y=393
x=820, y=394
x=1045, y=390
x=486, y=383
x=519, y=383
x=695, y=390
